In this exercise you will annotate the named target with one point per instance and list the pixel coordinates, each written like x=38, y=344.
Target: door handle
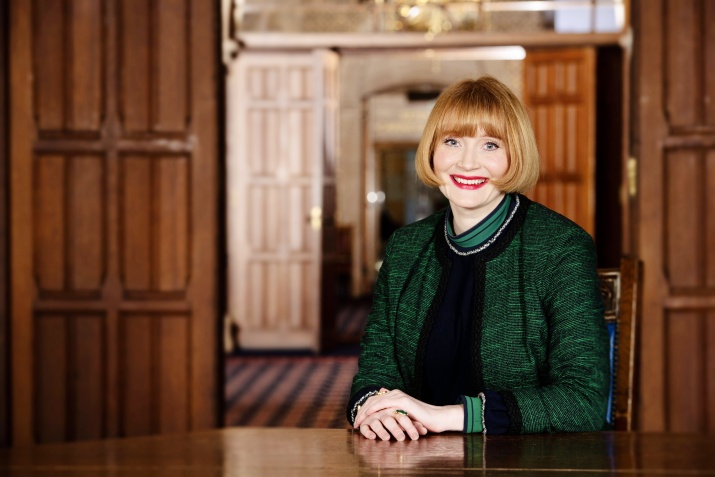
x=316, y=218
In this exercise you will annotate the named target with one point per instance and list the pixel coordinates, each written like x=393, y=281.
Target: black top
x=448, y=367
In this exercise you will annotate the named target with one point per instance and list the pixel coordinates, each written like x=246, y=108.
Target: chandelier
x=430, y=16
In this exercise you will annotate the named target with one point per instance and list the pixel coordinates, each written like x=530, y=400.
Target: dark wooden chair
x=620, y=288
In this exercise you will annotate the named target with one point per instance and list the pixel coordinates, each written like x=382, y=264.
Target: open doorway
x=401, y=198
x=387, y=96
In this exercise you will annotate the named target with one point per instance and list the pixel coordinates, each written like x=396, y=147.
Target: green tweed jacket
x=538, y=330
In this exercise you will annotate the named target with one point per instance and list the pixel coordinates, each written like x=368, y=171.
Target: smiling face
x=467, y=166
x=476, y=109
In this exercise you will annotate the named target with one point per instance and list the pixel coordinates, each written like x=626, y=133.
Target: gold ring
x=380, y=393
x=400, y=411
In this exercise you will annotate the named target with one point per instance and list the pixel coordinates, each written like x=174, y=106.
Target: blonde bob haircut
x=485, y=103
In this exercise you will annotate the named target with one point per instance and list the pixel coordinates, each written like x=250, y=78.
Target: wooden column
x=114, y=218
x=4, y=244
x=674, y=132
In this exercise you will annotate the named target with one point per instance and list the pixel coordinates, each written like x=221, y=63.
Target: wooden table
x=336, y=452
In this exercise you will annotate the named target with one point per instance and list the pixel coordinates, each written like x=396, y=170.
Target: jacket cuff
x=496, y=413
x=486, y=411
x=474, y=414
x=357, y=400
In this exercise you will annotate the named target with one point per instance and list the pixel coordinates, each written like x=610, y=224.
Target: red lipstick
x=468, y=182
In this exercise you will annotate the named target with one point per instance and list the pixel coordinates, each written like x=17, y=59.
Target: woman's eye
x=491, y=146
x=450, y=141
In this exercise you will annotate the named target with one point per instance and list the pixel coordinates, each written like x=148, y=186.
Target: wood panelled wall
x=114, y=227
x=4, y=244
x=559, y=92
x=675, y=145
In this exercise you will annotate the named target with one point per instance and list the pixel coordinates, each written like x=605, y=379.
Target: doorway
x=387, y=96
x=401, y=198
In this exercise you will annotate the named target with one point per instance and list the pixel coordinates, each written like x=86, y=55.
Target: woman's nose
x=469, y=161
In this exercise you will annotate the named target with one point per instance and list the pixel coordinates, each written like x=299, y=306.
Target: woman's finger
x=408, y=425
x=372, y=405
x=420, y=428
x=395, y=429
x=367, y=432
x=391, y=424
x=377, y=428
x=377, y=403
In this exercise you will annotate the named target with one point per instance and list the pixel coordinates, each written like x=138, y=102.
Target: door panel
x=154, y=219
x=674, y=139
x=114, y=204
x=559, y=92
x=154, y=354
x=70, y=207
x=281, y=147
x=4, y=233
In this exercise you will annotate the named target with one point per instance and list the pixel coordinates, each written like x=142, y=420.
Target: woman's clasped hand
x=399, y=415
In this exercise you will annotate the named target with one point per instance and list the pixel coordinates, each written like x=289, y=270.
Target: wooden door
x=113, y=163
x=674, y=82
x=4, y=233
x=281, y=145
x=559, y=92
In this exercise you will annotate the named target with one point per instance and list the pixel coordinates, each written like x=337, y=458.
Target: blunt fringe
x=465, y=107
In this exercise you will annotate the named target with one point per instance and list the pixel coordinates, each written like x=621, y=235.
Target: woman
x=487, y=316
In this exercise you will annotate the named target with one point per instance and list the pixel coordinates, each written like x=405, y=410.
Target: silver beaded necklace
x=485, y=244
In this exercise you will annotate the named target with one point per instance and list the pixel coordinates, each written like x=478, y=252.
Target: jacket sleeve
x=573, y=394
x=487, y=410
x=377, y=365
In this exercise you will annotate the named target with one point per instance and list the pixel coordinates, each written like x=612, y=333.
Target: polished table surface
x=337, y=452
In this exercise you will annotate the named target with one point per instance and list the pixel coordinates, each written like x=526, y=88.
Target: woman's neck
x=464, y=219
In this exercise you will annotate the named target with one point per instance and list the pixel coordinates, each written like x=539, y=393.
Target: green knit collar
x=482, y=231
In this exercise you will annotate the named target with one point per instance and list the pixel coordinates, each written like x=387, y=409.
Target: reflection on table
x=334, y=452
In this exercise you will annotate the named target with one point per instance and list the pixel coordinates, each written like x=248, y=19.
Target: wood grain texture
x=709, y=370
x=675, y=143
x=4, y=233
x=22, y=126
x=171, y=60
x=682, y=218
x=205, y=391
x=559, y=92
x=174, y=381
x=51, y=384
x=88, y=365
x=683, y=73
x=134, y=48
x=650, y=125
x=115, y=226
x=340, y=452
x=685, y=371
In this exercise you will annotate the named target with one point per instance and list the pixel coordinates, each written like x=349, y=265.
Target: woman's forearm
x=453, y=417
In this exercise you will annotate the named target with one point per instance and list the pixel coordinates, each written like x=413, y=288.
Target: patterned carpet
x=288, y=391
x=296, y=391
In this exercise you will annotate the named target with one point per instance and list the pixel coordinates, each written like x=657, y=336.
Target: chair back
x=620, y=288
